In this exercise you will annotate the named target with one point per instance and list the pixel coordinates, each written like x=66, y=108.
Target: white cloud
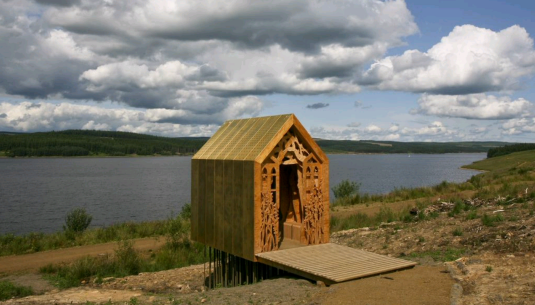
x=518, y=126
x=473, y=106
x=353, y=124
x=393, y=128
x=468, y=60
x=335, y=133
x=436, y=131
x=195, y=56
x=299, y=25
x=373, y=129
x=43, y=116
x=391, y=137
x=479, y=130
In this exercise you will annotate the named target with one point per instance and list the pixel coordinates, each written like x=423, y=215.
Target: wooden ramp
x=332, y=263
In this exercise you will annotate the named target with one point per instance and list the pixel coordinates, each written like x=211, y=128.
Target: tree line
x=392, y=147
x=115, y=143
x=92, y=142
x=509, y=149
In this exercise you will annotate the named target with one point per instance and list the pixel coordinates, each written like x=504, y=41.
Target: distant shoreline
x=88, y=157
x=190, y=155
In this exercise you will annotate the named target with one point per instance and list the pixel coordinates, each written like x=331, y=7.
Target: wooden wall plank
x=248, y=211
x=228, y=203
x=219, y=205
x=209, y=203
x=257, y=207
x=237, y=223
x=201, y=191
x=194, y=200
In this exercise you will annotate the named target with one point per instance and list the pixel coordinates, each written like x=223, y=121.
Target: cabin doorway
x=291, y=208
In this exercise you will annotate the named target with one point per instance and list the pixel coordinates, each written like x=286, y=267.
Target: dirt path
x=420, y=285
x=32, y=262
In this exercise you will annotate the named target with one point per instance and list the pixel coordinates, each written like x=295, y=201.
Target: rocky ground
x=496, y=263
x=491, y=262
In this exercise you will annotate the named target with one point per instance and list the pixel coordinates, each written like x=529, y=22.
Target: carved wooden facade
x=258, y=183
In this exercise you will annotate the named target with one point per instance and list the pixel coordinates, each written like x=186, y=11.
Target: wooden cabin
x=258, y=184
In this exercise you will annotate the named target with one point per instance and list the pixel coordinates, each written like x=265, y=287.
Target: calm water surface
x=35, y=194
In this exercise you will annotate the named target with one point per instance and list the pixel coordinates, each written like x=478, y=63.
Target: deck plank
x=332, y=263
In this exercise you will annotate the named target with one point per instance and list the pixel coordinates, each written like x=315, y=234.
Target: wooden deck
x=332, y=263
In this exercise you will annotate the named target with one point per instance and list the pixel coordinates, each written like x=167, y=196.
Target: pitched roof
x=243, y=140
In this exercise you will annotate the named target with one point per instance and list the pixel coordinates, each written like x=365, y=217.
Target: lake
x=37, y=193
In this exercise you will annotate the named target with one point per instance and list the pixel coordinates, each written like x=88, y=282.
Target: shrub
x=177, y=232
x=186, y=211
x=458, y=208
x=346, y=189
x=77, y=221
x=128, y=259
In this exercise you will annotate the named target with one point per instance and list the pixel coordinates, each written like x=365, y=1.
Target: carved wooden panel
x=314, y=214
x=269, y=231
x=310, y=211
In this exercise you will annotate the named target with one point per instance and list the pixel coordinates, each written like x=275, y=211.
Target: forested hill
x=509, y=149
x=94, y=143
x=390, y=147
x=114, y=143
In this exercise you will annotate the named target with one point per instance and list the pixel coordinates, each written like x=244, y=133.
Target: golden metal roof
x=243, y=139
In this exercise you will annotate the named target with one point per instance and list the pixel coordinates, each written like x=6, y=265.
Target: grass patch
x=11, y=244
x=402, y=194
x=179, y=251
x=471, y=215
x=459, y=207
x=447, y=255
x=504, y=162
x=361, y=220
x=458, y=232
x=9, y=290
x=491, y=220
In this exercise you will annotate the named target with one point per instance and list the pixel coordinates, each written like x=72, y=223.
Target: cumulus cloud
x=194, y=56
x=353, y=124
x=373, y=129
x=469, y=60
x=58, y=2
x=317, y=105
x=393, y=128
x=302, y=26
x=518, y=126
x=436, y=131
x=42, y=116
x=478, y=129
x=335, y=133
x=473, y=106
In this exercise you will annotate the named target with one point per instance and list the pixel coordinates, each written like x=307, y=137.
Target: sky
x=396, y=70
